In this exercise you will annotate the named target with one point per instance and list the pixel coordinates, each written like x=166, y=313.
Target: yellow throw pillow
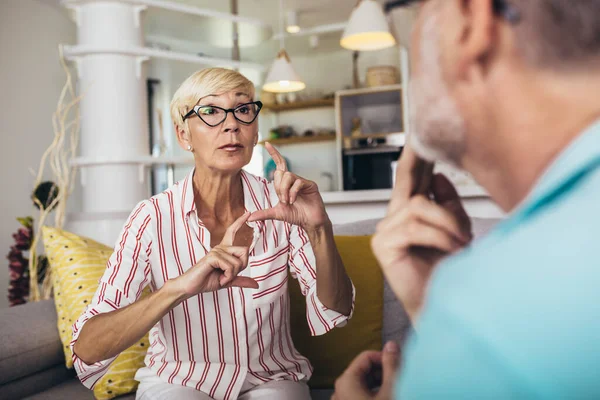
x=77, y=264
x=331, y=353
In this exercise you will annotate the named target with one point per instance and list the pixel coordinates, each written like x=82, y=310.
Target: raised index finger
x=229, y=236
x=278, y=158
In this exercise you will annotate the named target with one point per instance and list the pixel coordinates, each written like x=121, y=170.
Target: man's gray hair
x=559, y=34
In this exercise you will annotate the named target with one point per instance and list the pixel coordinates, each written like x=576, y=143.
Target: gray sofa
x=32, y=359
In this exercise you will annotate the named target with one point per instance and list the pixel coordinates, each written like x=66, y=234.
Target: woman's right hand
x=219, y=268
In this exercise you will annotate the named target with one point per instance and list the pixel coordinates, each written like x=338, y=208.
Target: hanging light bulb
x=292, y=22
x=281, y=77
x=367, y=29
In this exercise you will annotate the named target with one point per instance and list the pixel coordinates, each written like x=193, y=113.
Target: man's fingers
x=417, y=233
x=266, y=214
x=362, y=364
x=441, y=217
x=229, y=236
x=243, y=282
x=413, y=176
x=278, y=158
x=425, y=211
x=447, y=196
x=389, y=362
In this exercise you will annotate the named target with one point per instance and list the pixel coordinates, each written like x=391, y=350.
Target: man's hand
x=354, y=382
x=425, y=223
x=300, y=202
x=219, y=268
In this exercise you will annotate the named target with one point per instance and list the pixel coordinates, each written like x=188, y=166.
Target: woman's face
x=228, y=146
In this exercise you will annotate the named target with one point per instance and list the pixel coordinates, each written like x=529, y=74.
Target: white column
x=114, y=122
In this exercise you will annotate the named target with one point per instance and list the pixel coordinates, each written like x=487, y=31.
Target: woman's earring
x=189, y=148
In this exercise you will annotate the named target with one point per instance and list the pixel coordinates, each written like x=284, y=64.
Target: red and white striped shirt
x=218, y=341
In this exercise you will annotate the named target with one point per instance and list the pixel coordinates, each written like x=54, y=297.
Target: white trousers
x=288, y=390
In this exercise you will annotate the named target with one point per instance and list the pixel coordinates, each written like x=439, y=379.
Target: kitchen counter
x=383, y=195
x=356, y=205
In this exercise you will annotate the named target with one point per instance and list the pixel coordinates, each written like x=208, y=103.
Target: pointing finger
x=278, y=158
x=229, y=236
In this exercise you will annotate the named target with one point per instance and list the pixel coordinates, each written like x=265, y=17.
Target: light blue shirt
x=517, y=316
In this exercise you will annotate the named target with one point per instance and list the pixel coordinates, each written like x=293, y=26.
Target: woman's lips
x=232, y=147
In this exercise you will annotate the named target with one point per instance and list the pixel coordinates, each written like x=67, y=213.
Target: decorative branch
x=62, y=150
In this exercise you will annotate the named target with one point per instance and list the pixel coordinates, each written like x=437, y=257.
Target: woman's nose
x=231, y=124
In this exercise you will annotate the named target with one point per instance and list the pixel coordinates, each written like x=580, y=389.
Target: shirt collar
x=575, y=162
x=187, y=193
x=254, y=195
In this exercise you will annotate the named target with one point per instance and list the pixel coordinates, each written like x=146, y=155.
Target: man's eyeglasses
x=502, y=8
x=213, y=115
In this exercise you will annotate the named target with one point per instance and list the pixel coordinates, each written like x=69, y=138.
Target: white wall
x=30, y=79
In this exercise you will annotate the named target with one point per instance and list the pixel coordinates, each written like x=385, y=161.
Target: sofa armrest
x=29, y=340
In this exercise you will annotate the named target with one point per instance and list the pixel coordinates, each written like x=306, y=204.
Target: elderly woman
x=215, y=250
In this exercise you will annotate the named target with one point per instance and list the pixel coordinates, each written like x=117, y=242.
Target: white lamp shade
x=367, y=28
x=292, y=22
x=281, y=77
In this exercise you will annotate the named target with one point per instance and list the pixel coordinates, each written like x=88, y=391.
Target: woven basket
x=382, y=75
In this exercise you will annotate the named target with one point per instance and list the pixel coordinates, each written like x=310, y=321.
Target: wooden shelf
x=369, y=90
x=299, y=140
x=301, y=105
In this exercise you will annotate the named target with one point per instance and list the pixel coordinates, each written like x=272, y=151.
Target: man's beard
x=438, y=128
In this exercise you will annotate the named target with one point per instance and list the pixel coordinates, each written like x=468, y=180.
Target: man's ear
x=477, y=36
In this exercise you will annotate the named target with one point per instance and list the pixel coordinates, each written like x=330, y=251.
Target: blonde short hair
x=203, y=83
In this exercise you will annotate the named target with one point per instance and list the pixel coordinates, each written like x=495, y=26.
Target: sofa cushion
x=72, y=390
x=39, y=381
x=77, y=265
x=331, y=353
x=28, y=340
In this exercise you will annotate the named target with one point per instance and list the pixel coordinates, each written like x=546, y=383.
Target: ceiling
x=212, y=36
x=310, y=12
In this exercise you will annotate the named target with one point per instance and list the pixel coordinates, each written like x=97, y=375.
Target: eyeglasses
x=213, y=115
x=502, y=8
x=508, y=11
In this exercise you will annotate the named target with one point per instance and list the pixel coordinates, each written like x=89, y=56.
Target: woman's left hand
x=299, y=200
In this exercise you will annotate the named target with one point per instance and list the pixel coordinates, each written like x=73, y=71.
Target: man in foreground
x=509, y=91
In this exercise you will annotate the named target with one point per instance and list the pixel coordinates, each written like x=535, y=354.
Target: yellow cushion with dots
x=77, y=264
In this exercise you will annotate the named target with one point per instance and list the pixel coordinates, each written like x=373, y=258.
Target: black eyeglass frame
x=501, y=7
x=194, y=110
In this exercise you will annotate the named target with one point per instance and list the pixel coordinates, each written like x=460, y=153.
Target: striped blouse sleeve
x=302, y=267
x=127, y=274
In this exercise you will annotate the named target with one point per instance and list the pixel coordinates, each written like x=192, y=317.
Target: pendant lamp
x=281, y=77
x=368, y=28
